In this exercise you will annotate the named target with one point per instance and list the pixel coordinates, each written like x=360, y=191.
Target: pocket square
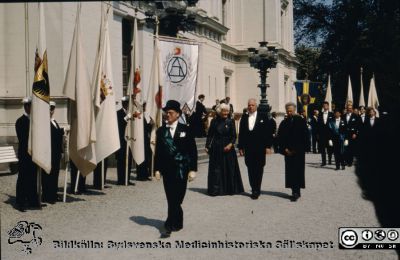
x=182, y=134
x=262, y=121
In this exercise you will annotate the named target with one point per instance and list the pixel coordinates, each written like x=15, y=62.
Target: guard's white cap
x=52, y=103
x=26, y=100
x=125, y=98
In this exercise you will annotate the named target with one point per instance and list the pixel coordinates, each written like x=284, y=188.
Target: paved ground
x=135, y=214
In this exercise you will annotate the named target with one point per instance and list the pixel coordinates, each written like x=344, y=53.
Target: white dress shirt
x=53, y=121
x=363, y=117
x=337, y=122
x=325, y=116
x=372, y=121
x=252, y=120
x=348, y=117
x=172, y=128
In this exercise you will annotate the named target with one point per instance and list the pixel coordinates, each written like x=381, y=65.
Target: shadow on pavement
x=200, y=190
x=276, y=194
x=143, y=221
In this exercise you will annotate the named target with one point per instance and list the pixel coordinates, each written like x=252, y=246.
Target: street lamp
x=263, y=59
x=173, y=16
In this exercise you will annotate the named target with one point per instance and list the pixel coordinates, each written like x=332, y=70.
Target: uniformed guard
x=50, y=181
x=26, y=193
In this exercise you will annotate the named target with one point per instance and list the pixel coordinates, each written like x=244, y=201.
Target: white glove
x=158, y=175
x=192, y=176
x=67, y=128
x=128, y=117
x=330, y=143
x=346, y=142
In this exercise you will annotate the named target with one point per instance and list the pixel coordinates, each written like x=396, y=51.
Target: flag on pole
x=373, y=100
x=361, y=102
x=107, y=138
x=135, y=127
x=349, y=92
x=154, y=95
x=328, y=96
x=349, y=97
x=179, y=62
x=77, y=88
x=39, y=144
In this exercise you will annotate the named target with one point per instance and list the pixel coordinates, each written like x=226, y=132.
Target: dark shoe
x=323, y=164
x=330, y=162
x=343, y=167
x=176, y=229
x=20, y=208
x=337, y=168
x=255, y=196
x=166, y=234
x=295, y=197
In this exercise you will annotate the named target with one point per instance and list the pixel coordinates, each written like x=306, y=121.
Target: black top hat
x=173, y=105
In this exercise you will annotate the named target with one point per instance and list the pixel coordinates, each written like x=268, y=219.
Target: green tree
x=353, y=34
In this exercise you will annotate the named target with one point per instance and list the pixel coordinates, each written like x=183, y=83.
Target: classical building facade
x=225, y=29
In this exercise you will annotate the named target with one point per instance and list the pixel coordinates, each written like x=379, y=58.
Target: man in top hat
x=352, y=126
x=26, y=193
x=337, y=138
x=176, y=160
x=50, y=181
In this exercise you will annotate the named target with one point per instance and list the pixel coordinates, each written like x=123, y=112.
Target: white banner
x=179, y=63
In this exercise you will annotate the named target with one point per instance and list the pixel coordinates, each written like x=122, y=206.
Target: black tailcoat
x=174, y=162
x=121, y=153
x=254, y=143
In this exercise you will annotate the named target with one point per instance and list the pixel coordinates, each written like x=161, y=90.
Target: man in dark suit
x=50, y=181
x=255, y=141
x=337, y=138
x=370, y=123
x=26, y=192
x=352, y=126
x=198, y=117
x=123, y=116
x=292, y=137
x=274, y=130
x=314, y=130
x=324, y=133
x=176, y=160
x=143, y=170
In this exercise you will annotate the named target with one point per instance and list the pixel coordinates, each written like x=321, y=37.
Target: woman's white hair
x=221, y=107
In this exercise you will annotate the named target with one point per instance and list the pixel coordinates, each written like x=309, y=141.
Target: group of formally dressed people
x=338, y=133
x=257, y=135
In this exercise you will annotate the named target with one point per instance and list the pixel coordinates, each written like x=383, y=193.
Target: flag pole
x=65, y=182
x=39, y=186
x=77, y=181
x=102, y=175
x=126, y=164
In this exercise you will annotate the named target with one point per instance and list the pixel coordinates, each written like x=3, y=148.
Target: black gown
x=223, y=170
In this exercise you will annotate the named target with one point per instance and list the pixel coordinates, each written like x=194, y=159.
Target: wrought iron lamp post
x=263, y=59
x=173, y=16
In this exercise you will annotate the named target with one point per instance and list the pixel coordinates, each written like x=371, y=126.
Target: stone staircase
x=202, y=155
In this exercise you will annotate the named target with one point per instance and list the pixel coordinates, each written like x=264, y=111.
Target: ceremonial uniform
x=27, y=176
x=121, y=153
x=50, y=181
x=337, y=136
x=175, y=157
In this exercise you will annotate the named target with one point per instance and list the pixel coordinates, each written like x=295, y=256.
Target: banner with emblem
x=179, y=62
x=39, y=144
x=107, y=136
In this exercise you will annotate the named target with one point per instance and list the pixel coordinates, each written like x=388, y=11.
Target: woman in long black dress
x=223, y=170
